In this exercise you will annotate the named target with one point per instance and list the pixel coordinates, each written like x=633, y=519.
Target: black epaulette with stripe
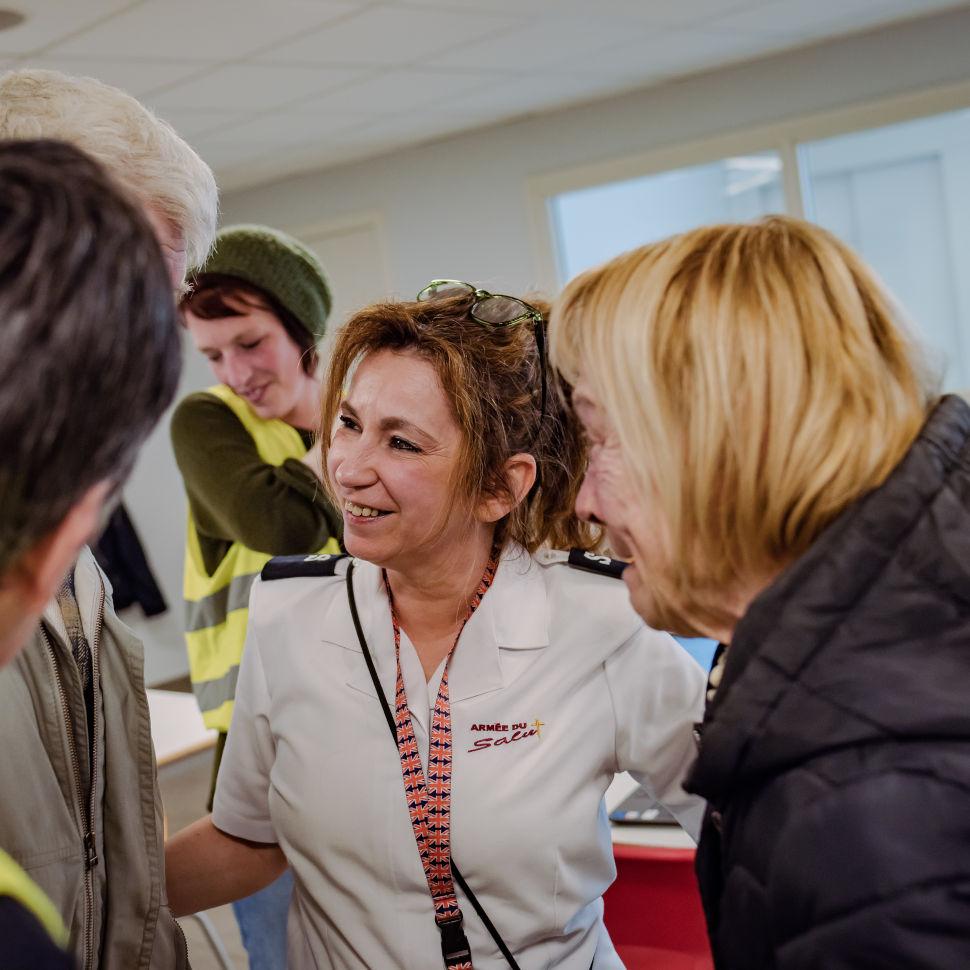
x=317, y=564
x=591, y=562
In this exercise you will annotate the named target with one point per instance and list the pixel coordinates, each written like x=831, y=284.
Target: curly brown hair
x=491, y=376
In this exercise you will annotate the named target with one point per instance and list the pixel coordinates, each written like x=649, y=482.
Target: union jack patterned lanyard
x=429, y=804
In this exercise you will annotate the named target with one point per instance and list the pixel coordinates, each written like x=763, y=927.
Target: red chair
x=653, y=910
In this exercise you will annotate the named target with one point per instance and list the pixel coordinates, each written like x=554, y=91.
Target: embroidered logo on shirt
x=500, y=734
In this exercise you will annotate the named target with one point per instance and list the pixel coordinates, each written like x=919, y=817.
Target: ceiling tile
x=521, y=8
x=282, y=128
x=795, y=20
x=677, y=52
x=575, y=41
x=507, y=99
x=412, y=127
x=387, y=36
x=221, y=157
x=526, y=95
x=194, y=124
x=137, y=76
x=363, y=141
x=256, y=86
x=240, y=149
x=242, y=171
x=661, y=13
x=213, y=30
x=48, y=21
x=402, y=90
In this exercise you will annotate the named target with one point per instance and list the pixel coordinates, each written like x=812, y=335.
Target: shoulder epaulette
x=591, y=562
x=318, y=564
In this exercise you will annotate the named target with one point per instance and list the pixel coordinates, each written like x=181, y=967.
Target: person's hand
x=313, y=459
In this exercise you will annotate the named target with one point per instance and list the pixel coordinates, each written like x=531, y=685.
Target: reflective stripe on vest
x=217, y=606
x=16, y=884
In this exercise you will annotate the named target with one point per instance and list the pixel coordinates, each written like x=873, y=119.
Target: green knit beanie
x=278, y=264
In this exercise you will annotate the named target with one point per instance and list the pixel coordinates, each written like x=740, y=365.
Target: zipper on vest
x=90, y=840
x=85, y=804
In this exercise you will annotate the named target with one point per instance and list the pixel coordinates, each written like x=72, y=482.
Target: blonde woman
x=764, y=448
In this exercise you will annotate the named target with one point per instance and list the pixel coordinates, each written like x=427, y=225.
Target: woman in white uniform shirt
x=518, y=686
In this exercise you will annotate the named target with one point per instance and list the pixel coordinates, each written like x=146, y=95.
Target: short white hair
x=141, y=152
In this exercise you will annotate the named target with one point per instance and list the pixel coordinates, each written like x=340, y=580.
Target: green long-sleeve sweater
x=235, y=496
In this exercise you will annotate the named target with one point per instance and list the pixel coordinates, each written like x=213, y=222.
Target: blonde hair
x=141, y=152
x=759, y=382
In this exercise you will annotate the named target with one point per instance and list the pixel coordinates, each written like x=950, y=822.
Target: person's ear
x=39, y=571
x=520, y=474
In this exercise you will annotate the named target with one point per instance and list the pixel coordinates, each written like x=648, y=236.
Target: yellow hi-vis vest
x=16, y=884
x=217, y=606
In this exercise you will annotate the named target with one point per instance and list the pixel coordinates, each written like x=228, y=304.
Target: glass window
x=900, y=196
x=702, y=650
x=594, y=224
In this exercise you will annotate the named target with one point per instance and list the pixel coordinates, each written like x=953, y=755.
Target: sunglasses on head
x=495, y=310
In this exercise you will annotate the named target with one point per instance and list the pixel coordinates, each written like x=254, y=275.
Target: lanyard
x=429, y=801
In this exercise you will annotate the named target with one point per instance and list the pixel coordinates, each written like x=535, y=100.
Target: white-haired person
x=143, y=154
x=766, y=449
x=80, y=809
x=60, y=214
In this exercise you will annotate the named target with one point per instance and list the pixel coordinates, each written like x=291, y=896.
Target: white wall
x=155, y=500
x=459, y=207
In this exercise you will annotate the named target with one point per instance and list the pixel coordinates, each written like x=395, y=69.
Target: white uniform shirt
x=555, y=686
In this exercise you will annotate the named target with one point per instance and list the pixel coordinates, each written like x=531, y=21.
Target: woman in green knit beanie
x=245, y=450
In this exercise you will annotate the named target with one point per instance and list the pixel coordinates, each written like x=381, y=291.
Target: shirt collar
x=513, y=615
x=514, y=609
x=517, y=602
x=87, y=585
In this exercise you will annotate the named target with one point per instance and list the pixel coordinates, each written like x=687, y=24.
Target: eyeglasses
x=491, y=308
x=495, y=310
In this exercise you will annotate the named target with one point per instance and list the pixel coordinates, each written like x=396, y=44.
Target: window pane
x=595, y=224
x=900, y=196
x=701, y=649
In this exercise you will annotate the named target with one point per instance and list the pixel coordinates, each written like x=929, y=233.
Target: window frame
x=782, y=138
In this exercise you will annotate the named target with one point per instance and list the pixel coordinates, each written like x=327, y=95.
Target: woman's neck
x=432, y=600
x=734, y=606
x=306, y=412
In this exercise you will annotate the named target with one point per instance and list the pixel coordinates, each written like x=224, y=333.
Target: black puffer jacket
x=836, y=752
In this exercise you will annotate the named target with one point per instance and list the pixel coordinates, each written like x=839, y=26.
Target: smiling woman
x=473, y=389
x=256, y=310
x=256, y=348
x=401, y=469
x=520, y=685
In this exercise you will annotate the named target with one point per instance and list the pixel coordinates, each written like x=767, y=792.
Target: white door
x=352, y=254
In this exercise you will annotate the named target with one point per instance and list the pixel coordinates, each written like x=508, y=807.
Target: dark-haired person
x=515, y=687
x=84, y=293
x=256, y=310
x=86, y=817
